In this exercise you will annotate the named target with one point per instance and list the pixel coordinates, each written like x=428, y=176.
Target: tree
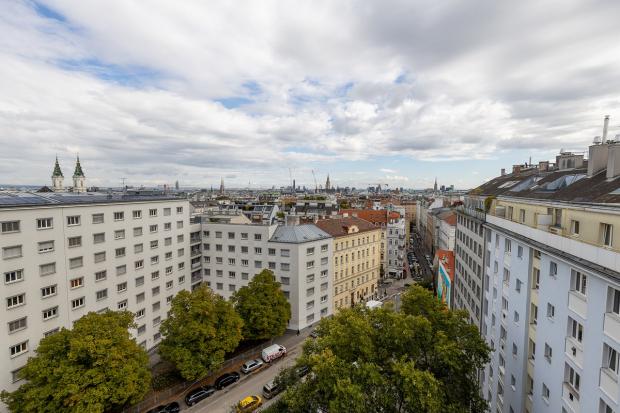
x=201, y=329
x=422, y=359
x=263, y=307
x=95, y=367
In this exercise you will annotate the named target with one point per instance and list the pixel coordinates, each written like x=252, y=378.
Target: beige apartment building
x=357, y=259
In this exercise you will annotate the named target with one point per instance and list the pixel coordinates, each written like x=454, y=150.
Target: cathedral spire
x=57, y=172
x=78, y=169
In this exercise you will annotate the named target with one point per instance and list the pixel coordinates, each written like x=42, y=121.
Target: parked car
x=271, y=389
x=251, y=365
x=302, y=371
x=167, y=408
x=314, y=334
x=198, y=394
x=249, y=404
x=226, y=380
x=273, y=352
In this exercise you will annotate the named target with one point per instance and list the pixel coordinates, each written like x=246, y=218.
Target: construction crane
x=316, y=186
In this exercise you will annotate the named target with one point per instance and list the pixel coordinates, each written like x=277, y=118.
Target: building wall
x=446, y=235
x=157, y=281
x=226, y=271
x=356, y=267
x=396, y=235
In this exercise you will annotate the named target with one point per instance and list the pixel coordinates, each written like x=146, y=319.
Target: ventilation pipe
x=605, y=126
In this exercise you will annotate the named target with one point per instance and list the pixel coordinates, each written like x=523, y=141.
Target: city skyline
x=365, y=93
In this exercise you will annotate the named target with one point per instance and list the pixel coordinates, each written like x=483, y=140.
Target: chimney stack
x=503, y=171
x=605, y=126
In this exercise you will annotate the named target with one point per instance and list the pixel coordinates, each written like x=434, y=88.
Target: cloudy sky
x=388, y=91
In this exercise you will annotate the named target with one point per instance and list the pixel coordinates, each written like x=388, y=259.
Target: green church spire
x=78, y=168
x=57, y=171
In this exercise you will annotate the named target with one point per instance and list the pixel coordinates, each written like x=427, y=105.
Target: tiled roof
x=21, y=199
x=371, y=215
x=338, y=227
x=297, y=234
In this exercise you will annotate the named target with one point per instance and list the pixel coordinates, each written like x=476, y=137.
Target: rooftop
x=10, y=199
x=371, y=215
x=297, y=234
x=338, y=227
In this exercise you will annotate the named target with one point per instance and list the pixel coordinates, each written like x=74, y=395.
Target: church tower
x=57, y=178
x=435, y=187
x=79, y=180
x=222, y=186
x=328, y=186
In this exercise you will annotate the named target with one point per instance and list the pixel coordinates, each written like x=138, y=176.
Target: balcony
x=196, y=265
x=577, y=303
x=609, y=383
x=195, y=253
x=574, y=351
x=507, y=257
x=571, y=397
x=612, y=326
x=194, y=240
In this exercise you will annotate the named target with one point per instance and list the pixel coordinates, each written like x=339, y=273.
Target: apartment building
x=356, y=259
x=551, y=297
x=235, y=249
x=66, y=254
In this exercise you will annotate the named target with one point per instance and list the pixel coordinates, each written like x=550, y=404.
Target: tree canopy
x=263, y=307
x=94, y=367
x=422, y=359
x=201, y=329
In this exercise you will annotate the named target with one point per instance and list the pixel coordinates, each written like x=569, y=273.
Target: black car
x=198, y=394
x=167, y=408
x=302, y=371
x=226, y=380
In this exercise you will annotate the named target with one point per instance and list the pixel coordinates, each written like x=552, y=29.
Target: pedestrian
x=297, y=332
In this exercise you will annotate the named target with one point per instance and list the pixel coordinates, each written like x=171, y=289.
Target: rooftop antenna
x=123, y=183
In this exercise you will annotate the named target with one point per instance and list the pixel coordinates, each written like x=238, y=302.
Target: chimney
x=543, y=166
x=605, y=126
x=503, y=171
x=516, y=169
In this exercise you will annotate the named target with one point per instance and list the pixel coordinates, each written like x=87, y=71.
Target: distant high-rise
x=176, y=185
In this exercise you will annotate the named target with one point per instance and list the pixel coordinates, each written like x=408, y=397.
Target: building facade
x=356, y=259
x=64, y=255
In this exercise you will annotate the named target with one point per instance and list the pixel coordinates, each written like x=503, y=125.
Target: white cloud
x=135, y=87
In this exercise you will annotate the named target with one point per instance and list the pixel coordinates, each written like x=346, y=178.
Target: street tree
x=263, y=307
x=422, y=359
x=201, y=329
x=94, y=367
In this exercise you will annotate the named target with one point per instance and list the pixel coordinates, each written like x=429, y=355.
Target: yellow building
x=357, y=259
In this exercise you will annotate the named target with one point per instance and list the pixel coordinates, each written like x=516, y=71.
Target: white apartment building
x=234, y=250
x=66, y=254
x=395, y=235
x=551, y=299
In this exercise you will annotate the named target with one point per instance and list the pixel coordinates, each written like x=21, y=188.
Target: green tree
x=263, y=307
x=422, y=359
x=201, y=329
x=94, y=367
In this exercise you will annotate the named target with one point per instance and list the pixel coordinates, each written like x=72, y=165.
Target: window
x=519, y=251
x=46, y=246
x=285, y=253
x=550, y=310
x=310, y=278
x=18, y=349
x=119, y=216
x=574, y=227
x=154, y=275
x=139, y=298
x=323, y=273
x=17, y=325
x=578, y=282
x=575, y=330
x=548, y=352
x=180, y=252
x=310, y=292
x=310, y=251
x=324, y=248
x=553, y=269
x=119, y=234
x=121, y=269
x=138, y=265
x=545, y=392
x=179, y=224
x=100, y=256
x=77, y=303
x=76, y=262
x=153, y=228
x=47, y=269
x=507, y=246
x=309, y=265
x=518, y=285
x=244, y=275
x=168, y=270
x=154, y=259
x=179, y=210
x=607, y=234
x=258, y=264
x=101, y=275
x=120, y=287
x=258, y=250
x=169, y=284
x=139, y=281
x=142, y=329
x=231, y=274
x=48, y=291
x=244, y=235
x=310, y=305
x=76, y=282
x=536, y=278
x=610, y=359
x=97, y=218
x=102, y=294
x=11, y=252
x=285, y=280
x=182, y=279
x=15, y=301
x=140, y=313
x=155, y=291
x=120, y=252
x=168, y=255
x=10, y=226
x=168, y=241
x=271, y=251
x=45, y=223
x=522, y=215
x=572, y=377
x=99, y=238
x=50, y=313
x=533, y=313
x=121, y=305
x=13, y=276
x=74, y=242
x=613, y=301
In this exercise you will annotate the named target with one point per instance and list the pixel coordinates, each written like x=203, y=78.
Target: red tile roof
x=338, y=227
x=371, y=215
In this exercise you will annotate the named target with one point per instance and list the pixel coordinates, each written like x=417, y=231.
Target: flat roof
x=12, y=199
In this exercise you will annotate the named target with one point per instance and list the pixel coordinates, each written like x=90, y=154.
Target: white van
x=273, y=352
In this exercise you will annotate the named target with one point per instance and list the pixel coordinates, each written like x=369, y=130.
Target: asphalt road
x=252, y=384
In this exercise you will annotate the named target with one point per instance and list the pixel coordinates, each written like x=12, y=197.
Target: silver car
x=251, y=365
